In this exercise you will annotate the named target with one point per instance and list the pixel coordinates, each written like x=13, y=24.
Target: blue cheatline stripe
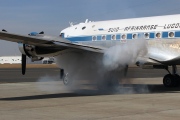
x=165, y=35
x=152, y=35
x=177, y=34
x=129, y=36
x=98, y=37
x=84, y=38
x=118, y=37
x=108, y=37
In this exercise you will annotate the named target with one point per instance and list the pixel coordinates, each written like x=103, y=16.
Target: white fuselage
x=162, y=34
x=158, y=27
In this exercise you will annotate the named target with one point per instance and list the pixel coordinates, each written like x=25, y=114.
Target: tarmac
x=40, y=95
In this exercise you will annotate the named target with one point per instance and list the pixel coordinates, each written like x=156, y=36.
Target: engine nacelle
x=37, y=53
x=29, y=50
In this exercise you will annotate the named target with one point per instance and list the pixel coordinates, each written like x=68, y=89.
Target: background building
x=17, y=60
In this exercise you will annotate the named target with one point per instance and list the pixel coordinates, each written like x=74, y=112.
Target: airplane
x=92, y=39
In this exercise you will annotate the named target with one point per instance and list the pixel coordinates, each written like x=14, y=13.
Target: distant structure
x=48, y=60
x=16, y=60
x=10, y=60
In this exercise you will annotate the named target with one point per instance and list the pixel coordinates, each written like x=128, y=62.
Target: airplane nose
x=62, y=35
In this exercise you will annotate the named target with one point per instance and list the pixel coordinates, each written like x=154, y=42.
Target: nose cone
x=67, y=32
x=61, y=35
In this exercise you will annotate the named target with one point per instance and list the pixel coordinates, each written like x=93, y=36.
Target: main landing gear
x=65, y=77
x=171, y=79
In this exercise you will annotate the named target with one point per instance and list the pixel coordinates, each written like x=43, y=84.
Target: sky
x=52, y=16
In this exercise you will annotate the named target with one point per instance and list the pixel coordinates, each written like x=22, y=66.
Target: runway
x=40, y=95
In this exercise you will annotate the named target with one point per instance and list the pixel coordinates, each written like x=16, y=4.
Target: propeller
x=23, y=64
x=125, y=70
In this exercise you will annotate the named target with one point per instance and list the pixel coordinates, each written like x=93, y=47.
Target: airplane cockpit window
x=123, y=36
x=83, y=28
x=171, y=34
x=113, y=37
x=94, y=38
x=61, y=35
x=158, y=35
x=134, y=36
x=103, y=37
x=146, y=35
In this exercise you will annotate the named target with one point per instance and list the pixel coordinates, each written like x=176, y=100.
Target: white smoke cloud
x=49, y=84
x=94, y=68
x=124, y=54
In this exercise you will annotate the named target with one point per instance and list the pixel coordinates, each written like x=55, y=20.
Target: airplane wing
x=165, y=51
x=49, y=42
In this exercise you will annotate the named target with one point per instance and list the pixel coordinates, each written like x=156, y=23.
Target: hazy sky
x=51, y=16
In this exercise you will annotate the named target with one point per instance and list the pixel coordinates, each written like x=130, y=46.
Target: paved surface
x=36, y=97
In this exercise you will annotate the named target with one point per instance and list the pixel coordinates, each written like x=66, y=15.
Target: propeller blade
x=126, y=70
x=23, y=64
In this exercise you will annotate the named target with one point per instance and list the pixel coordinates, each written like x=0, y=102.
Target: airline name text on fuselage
x=145, y=27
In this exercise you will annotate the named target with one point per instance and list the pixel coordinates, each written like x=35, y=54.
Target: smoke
x=49, y=84
x=130, y=86
x=124, y=54
x=86, y=68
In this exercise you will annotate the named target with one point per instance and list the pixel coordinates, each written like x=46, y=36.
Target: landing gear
x=67, y=79
x=23, y=64
x=171, y=80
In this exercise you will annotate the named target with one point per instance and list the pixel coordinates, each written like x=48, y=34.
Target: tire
x=67, y=79
x=168, y=80
x=176, y=82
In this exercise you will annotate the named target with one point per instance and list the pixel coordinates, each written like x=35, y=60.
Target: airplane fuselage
x=162, y=34
x=150, y=28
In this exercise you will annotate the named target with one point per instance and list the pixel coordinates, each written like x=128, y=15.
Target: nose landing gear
x=171, y=79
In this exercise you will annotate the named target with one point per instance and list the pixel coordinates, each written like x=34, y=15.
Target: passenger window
x=113, y=37
x=94, y=38
x=103, y=37
x=171, y=34
x=158, y=35
x=134, y=36
x=146, y=35
x=123, y=36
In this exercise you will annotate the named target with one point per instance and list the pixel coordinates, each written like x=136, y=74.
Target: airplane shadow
x=125, y=89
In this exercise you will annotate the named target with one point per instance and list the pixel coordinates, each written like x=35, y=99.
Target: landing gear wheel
x=176, y=80
x=67, y=80
x=168, y=80
x=171, y=80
